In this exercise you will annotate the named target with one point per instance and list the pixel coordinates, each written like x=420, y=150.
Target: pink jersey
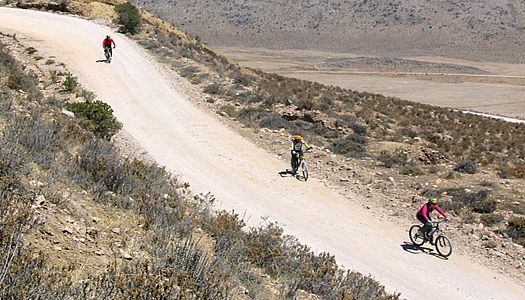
x=426, y=210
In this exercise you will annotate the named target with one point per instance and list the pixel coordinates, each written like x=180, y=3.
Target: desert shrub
x=128, y=17
x=70, y=84
x=515, y=171
x=54, y=75
x=353, y=145
x=229, y=110
x=240, y=79
x=503, y=172
x=250, y=115
x=264, y=247
x=352, y=122
x=412, y=170
x=299, y=126
x=14, y=77
x=461, y=198
x=283, y=256
x=227, y=231
x=100, y=114
x=213, y=89
x=273, y=121
x=486, y=206
x=491, y=219
x=452, y=175
x=390, y=160
x=490, y=245
x=89, y=96
x=358, y=128
x=516, y=230
x=31, y=50
x=486, y=183
x=468, y=218
x=467, y=166
x=189, y=71
x=26, y=276
x=308, y=104
x=470, y=199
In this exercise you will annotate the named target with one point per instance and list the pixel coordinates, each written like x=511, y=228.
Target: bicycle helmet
x=107, y=36
x=298, y=137
x=432, y=200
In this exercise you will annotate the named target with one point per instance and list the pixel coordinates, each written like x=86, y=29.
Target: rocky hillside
x=491, y=30
x=388, y=153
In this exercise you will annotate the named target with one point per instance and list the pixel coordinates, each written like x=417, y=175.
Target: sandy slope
x=243, y=177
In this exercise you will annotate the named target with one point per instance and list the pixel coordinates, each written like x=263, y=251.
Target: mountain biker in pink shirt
x=106, y=43
x=423, y=215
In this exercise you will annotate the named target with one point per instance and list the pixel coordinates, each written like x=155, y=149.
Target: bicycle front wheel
x=304, y=169
x=443, y=246
x=415, y=237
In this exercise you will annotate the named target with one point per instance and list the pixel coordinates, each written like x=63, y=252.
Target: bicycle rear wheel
x=443, y=246
x=304, y=169
x=107, y=54
x=415, y=237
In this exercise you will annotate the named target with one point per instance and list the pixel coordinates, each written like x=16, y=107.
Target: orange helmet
x=298, y=138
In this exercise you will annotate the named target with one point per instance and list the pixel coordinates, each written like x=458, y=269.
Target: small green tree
x=128, y=17
x=70, y=84
x=100, y=115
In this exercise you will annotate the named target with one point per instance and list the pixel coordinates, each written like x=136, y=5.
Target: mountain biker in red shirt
x=106, y=43
x=423, y=215
x=297, y=149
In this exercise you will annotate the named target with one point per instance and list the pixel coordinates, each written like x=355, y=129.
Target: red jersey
x=107, y=42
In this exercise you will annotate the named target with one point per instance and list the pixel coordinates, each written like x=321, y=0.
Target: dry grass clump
x=516, y=230
x=283, y=256
x=464, y=199
x=171, y=262
x=466, y=166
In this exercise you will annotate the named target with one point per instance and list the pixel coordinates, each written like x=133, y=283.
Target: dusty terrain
x=492, y=88
x=341, y=211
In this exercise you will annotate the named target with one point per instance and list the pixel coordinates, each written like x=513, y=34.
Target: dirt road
x=204, y=152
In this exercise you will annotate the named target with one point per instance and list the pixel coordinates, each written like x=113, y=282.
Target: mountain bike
x=107, y=54
x=300, y=163
x=442, y=243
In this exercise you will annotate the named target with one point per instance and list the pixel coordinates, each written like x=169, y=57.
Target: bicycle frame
x=107, y=53
x=441, y=241
x=299, y=158
x=300, y=163
x=435, y=229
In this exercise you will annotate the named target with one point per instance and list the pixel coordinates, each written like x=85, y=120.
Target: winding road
x=201, y=150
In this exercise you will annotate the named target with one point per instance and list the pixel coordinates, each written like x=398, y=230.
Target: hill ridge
x=475, y=30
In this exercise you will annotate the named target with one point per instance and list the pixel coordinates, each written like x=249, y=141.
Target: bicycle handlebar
x=437, y=223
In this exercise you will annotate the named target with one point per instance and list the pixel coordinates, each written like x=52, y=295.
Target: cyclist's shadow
x=290, y=173
x=413, y=249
